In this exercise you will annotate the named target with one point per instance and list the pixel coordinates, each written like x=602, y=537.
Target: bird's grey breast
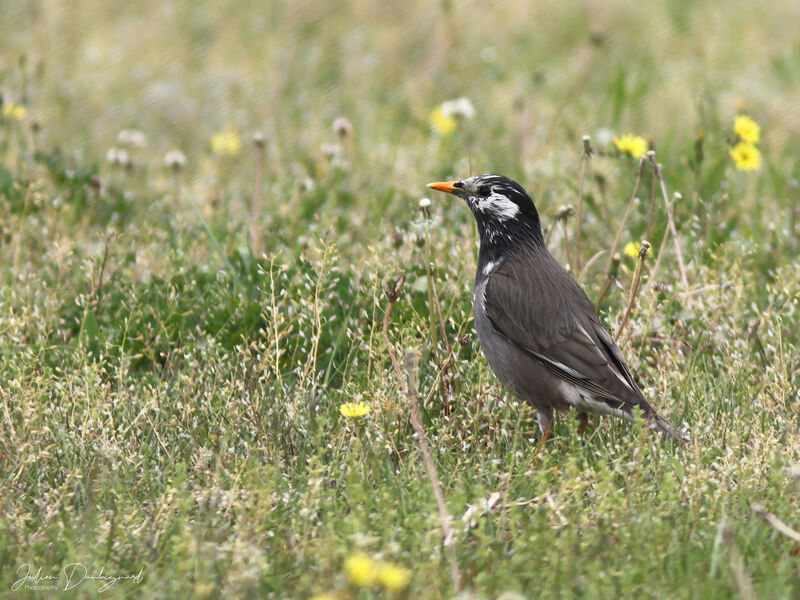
x=493, y=345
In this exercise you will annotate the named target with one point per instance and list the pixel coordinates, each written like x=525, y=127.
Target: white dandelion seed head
x=604, y=136
x=331, y=151
x=175, y=159
x=132, y=138
x=118, y=156
x=342, y=127
x=460, y=107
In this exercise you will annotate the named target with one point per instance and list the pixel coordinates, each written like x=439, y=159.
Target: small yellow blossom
x=632, y=249
x=632, y=144
x=393, y=578
x=443, y=124
x=747, y=129
x=445, y=118
x=14, y=111
x=226, y=143
x=354, y=410
x=323, y=597
x=360, y=569
x=746, y=156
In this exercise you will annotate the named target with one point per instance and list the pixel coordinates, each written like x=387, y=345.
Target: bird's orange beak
x=444, y=186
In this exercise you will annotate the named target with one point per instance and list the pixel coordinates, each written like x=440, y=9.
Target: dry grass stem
x=671, y=223
x=612, y=251
x=97, y=294
x=611, y=275
x=409, y=387
x=448, y=365
x=661, y=247
x=637, y=276
x=652, y=156
x=736, y=562
x=775, y=522
x=586, y=153
x=258, y=140
x=589, y=263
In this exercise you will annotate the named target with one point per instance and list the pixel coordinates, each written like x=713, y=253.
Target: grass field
x=178, y=332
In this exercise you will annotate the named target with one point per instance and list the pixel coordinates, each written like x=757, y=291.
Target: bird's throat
x=498, y=237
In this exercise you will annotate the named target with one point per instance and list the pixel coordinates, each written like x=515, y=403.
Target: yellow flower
x=14, y=111
x=632, y=249
x=354, y=410
x=746, y=156
x=392, y=577
x=323, y=597
x=443, y=124
x=226, y=143
x=632, y=144
x=747, y=129
x=360, y=569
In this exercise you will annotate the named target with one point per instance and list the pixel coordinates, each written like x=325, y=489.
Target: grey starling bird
x=537, y=328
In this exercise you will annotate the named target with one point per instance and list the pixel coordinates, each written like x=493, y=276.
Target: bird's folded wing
x=541, y=310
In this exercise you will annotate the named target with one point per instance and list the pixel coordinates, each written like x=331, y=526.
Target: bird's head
x=502, y=208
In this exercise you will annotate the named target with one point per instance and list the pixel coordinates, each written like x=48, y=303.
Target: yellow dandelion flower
x=393, y=578
x=354, y=410
x=442, y=123
x=13, y=111
x=360, y=569
x=747, y=129
x=632, y=144
x=226, y=143
x=632, y=249
x=323, y=597
x=746, y=156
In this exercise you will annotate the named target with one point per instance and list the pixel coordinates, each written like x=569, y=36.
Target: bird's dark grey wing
x=538, y=307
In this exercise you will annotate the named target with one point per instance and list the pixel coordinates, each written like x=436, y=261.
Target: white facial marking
x=489, y=266
x=498, y=206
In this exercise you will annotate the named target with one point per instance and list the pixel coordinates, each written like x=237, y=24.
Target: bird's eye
x=484, y=190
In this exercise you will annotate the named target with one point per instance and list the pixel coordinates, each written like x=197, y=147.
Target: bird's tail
x=668, y=429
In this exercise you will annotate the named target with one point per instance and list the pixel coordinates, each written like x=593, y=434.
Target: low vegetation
x=205, y=215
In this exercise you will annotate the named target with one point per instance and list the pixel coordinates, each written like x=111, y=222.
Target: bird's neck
x=498, y=237
x=498, y=242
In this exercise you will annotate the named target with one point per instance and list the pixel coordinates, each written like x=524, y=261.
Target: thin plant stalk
x=618, y=236
x=637, y=277
x=549, y=234
x=661, y=247
x=671, y=223
x=775, y=522
x=587, y=152
x=652, y=156
x=590, y=262
x=258, y=140
x=611, y=275
x=736, y=562
x=409, y=388
x=436, y=312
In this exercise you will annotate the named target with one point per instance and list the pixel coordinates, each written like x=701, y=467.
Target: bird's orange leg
x=584, y=422
x=546, y=435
